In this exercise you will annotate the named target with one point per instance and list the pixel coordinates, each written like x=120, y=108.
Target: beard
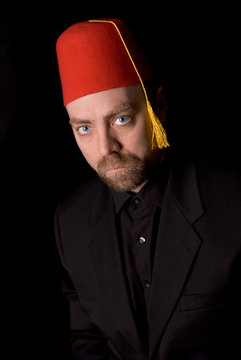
x=132, y=172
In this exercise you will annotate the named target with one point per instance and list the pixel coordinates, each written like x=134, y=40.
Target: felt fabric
x=92, y=58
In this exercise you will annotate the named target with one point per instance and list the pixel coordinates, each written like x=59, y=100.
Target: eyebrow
x=115, y=111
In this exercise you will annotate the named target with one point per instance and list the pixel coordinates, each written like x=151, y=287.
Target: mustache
x=115, y=161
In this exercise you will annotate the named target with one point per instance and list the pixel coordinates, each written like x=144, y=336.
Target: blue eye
x=121, y=120
x=84, y=129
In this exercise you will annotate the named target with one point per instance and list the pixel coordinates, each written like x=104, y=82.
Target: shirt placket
x=142, y=229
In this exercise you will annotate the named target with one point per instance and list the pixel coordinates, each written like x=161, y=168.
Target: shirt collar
x=152, y=192
x=120, y=198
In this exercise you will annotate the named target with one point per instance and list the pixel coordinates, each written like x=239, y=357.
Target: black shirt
x=138, y=217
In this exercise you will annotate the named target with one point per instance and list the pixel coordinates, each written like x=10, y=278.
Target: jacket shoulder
x=81, y=200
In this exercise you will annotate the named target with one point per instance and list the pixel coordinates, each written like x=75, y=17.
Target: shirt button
x=142, y=240
x=136, y=201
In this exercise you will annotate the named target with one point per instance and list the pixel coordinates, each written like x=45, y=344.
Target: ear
x=160, y=104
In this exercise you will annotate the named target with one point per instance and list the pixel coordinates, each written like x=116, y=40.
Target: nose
x=108, y=143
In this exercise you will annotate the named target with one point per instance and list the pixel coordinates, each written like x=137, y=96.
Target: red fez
x=94, y=56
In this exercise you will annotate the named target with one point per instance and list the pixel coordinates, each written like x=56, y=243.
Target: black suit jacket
x=195, y=290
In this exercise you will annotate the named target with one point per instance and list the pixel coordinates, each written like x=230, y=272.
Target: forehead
x=105, y=101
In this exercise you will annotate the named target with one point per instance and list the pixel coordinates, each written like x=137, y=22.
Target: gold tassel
x=159, y=136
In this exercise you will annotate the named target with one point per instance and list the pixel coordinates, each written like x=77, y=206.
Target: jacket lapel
x=176, y=250
x=113, y=296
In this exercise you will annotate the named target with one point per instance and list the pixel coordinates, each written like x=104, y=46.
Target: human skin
x=111, y=129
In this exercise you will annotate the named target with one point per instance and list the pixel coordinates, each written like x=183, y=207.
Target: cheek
x=143, y=143
x=142, y=137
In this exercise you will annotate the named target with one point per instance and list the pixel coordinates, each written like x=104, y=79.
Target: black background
x=193, y=50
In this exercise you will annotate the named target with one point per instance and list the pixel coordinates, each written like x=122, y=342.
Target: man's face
x=113, y=133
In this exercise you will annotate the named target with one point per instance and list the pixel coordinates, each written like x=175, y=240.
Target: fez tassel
x=159, y=137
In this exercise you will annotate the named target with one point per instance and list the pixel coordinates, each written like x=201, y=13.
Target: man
x=150, y=248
